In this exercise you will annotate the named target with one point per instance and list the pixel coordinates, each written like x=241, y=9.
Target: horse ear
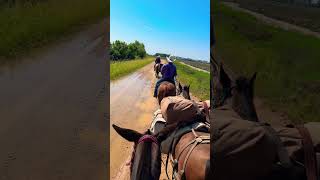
x=180, y=87
x=128, y=134
x=224, y=78
x=189, y=86
x=253, y=78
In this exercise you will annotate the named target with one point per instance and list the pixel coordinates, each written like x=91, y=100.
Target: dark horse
x=157, y=69
x=146, y=157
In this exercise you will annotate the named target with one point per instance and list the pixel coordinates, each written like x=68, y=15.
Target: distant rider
x=169, y=72
x=157, y=61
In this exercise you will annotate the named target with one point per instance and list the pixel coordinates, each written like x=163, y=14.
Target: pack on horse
x=252, y=149
x=185, y=135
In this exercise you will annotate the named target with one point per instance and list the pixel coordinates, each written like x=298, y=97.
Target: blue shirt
x=169, y=71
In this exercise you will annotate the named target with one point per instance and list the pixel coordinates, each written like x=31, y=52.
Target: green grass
x=122, y=68
x=199, y=81
x=287, y=62
x=25, y=26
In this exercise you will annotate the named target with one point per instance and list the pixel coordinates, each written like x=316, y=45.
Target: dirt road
x=198, y=69
x=274, y=22
x=132, y=106
x=53, y=122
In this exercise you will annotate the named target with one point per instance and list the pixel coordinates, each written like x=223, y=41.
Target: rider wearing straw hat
x=169, y=72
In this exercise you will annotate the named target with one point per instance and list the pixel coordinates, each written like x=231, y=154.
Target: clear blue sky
x=178, y=27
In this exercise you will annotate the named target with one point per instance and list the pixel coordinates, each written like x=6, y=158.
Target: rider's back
x=168, y=71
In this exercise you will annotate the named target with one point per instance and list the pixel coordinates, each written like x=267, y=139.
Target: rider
x=157, y=61
x=169, y=72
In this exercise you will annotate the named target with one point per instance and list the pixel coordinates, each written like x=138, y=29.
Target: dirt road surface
x=198, y=69
x=132, y=106
x=274, y=22
x=52, y=108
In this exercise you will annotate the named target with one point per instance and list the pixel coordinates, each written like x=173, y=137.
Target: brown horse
x=157, y=69
x=146, y=157
x=193, y=156
x=239, y=94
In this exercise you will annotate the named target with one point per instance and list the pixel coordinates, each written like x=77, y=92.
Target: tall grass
x=25, y=25
x=199, y=81
x=122, y=68
x=287, y=62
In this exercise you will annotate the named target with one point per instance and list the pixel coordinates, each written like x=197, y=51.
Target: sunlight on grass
x=122, y=68
x=199, y=81
x=27, y=26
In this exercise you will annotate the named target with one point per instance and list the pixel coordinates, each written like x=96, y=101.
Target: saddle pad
x=158, y=122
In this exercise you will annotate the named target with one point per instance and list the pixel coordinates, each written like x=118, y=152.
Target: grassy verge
x=287, y=62
x=122, y=68
x=27, y=26
x=199, y=81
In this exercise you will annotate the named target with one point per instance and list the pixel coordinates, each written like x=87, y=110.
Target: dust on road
x=53, y=122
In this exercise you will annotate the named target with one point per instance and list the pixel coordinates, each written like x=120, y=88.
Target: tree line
x=120, y=50
x=163, y=55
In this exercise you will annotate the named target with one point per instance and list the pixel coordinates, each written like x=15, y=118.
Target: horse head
x=240, y=92
x=146, y=157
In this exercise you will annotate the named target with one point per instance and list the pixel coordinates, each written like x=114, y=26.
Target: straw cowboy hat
x=170, y=58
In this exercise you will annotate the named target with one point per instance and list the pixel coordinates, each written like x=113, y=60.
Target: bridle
x=143, y=139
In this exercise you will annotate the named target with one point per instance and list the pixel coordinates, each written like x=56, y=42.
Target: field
x=287, y=62
x=197, y=64
x=199, y=81
x=300, y=15
x=122, y=68
x=27, y=26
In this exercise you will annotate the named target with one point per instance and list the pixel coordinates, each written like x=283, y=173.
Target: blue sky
x=178, y=27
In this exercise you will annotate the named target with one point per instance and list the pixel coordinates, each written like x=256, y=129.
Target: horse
x=157, y=69
x=239, y=95
x=184, y=90
x=192, y=150
x=146, y=157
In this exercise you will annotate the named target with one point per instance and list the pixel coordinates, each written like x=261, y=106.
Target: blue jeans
x=155, y=94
